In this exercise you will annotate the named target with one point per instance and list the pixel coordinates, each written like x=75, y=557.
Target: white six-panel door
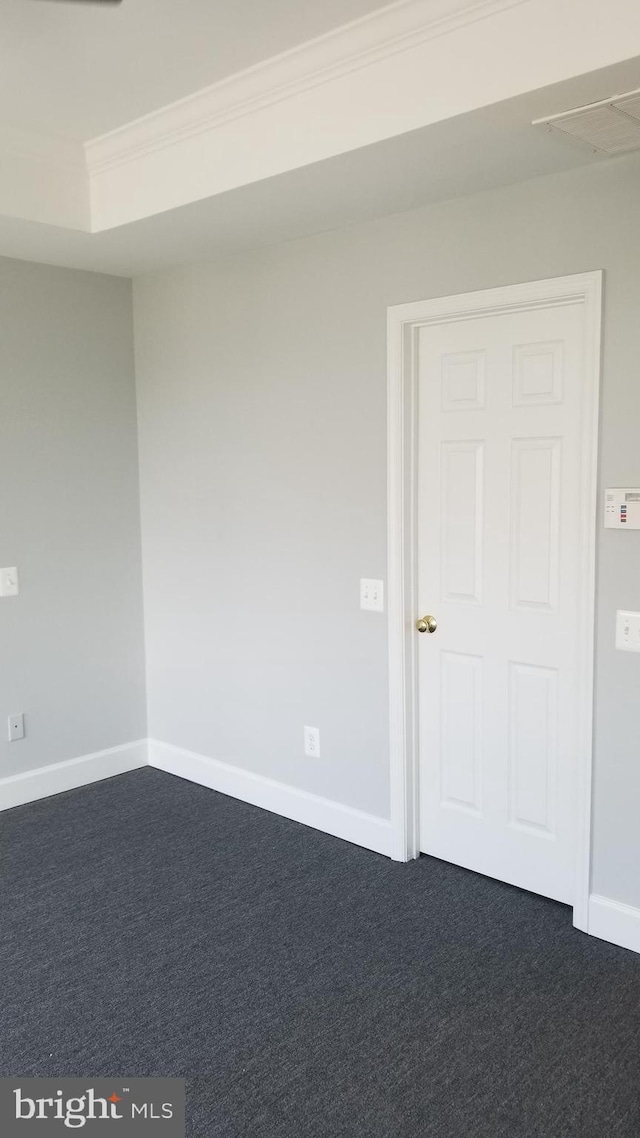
x=500, y=430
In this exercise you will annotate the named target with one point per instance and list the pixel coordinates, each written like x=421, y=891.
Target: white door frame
x=404, y=322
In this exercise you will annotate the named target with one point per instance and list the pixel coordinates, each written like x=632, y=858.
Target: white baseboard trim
x=321, y=813
x=615, y=922
x=18, y=789
x=609, y=920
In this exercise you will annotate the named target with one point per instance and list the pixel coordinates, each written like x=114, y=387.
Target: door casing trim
x=404, y=321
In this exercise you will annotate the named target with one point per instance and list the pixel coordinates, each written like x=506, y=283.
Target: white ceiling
x=395, y=127
x=78, y=70
x=491, y=147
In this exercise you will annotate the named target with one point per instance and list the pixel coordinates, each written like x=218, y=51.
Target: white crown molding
x=399, y=70
x=395, y=28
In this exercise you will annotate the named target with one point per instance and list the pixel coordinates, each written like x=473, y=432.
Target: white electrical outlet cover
x=312, y=742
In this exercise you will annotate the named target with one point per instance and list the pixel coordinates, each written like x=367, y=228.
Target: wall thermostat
x=622, y=509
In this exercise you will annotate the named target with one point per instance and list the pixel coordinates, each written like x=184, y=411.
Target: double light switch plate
x=371, y=595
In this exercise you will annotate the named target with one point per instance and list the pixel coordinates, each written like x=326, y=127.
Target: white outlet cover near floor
x=312, y=742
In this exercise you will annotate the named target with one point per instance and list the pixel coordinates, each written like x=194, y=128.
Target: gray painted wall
x=261, y=396
x=72, y=654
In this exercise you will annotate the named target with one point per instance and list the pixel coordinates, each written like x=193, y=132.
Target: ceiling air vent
x=610, y=127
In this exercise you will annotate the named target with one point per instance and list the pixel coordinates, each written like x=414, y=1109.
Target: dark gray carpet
x=304, y=987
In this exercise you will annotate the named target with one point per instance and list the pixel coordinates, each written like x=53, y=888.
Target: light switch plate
x=9, y=582
x=628, y=631
x=371, y=595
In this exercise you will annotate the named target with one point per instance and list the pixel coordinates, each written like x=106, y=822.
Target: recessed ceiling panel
x=610, y=127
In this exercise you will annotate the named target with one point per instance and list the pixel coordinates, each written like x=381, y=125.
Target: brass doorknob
x=427, y=624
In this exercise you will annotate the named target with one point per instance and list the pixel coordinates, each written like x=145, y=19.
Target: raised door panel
x=461, y=519
x=538, y=373
x=463, y=382
x=535, y=522
x=533, y=747
x=461, y=731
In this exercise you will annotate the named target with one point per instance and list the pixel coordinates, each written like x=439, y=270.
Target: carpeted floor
x=304, y=987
